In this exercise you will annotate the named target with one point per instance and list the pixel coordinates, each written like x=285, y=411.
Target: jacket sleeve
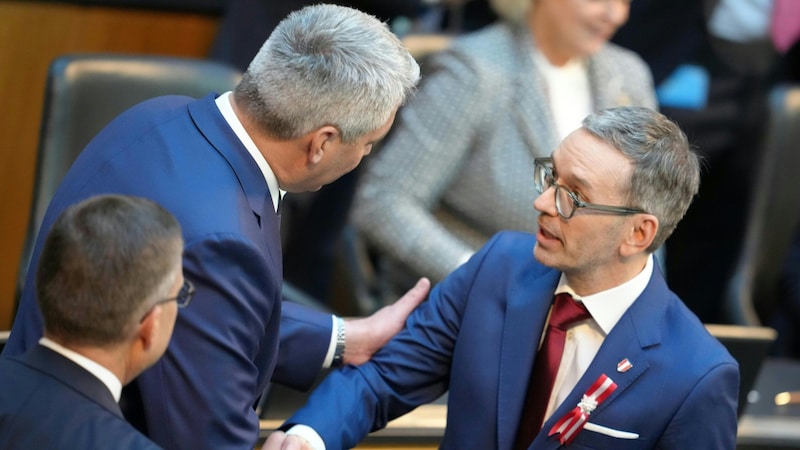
x=223, y=350
x=411, y=370
x=410, y=173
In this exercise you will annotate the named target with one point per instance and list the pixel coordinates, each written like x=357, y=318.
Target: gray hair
x=105, y=262
x=513, y=11
x=666, y=173
x=327, y=65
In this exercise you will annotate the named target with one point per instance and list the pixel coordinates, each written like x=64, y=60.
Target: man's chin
x=542, y=255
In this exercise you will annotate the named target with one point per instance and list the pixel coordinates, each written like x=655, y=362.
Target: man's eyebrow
x=576, y=181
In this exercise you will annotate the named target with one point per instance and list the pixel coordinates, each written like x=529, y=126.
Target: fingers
x=413, y=297
x=279, y=440
x=274, y=441
x=367, y=335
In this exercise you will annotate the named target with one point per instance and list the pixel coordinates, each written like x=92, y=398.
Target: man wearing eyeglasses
x=567, y=337
x=109, y=284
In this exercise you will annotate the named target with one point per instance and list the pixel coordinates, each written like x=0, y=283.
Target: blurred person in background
x=712, y=62
x=457, y=166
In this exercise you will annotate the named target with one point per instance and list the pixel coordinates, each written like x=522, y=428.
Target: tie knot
x=567, y=311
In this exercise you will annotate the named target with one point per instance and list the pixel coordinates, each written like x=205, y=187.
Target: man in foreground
x=108, y=285
x=570, y=336
x=323, y=89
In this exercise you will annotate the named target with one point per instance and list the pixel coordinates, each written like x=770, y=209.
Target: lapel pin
x=624, y=365
x=574, y=421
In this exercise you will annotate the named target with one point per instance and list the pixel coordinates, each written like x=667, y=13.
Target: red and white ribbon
x=573, y=422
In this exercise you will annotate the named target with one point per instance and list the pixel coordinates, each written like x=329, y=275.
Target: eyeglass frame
x=182, y=299
x=549, y=174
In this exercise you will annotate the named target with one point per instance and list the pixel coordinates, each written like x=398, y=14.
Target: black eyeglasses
x=567, y=202
x=182, y=299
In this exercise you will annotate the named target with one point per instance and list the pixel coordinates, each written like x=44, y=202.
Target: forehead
x=584, y=159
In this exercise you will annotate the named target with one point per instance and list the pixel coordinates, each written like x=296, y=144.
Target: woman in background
x=458, y=165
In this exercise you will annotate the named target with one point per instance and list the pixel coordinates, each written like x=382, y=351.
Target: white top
x=110, y=380
x=568, y=91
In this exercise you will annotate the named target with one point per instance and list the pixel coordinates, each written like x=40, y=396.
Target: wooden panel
x=31, y=35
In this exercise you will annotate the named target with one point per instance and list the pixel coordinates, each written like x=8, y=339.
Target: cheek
x=354, y=161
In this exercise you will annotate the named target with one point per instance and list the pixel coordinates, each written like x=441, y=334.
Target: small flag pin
x=624, y=365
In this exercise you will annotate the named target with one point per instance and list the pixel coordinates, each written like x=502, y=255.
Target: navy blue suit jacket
x=181, y=153
x=48, y=401
x=477, y=336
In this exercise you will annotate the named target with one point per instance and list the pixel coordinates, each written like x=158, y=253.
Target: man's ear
x=642, y=233
x=321, y=139
x=146, y=331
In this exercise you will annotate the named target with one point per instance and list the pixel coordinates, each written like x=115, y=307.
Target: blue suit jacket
x=47, y=401
x=477, y=336
x=181, y=153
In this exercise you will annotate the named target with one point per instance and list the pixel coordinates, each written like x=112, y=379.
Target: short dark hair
x=104, y=262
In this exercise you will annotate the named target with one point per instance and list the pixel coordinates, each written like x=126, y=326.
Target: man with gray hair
x=322, y=90
x=109, y=283
x=567, y=336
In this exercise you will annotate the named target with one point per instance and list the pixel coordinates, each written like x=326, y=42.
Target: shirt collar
x=110, y=380
x=606, y=307
x=224, y=105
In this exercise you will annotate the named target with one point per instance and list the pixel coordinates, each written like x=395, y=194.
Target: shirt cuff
x=308, y=434
x=326, y=363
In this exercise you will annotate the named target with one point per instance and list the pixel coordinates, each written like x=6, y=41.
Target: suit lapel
x=70, y=374
x=526, y=312
x=617, y=347
x=638, y=329
x=212, y=125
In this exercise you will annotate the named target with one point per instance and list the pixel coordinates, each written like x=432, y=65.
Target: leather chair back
x=773, y=215
x=84, y=92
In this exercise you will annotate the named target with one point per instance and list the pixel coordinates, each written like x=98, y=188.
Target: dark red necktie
x=566, y=311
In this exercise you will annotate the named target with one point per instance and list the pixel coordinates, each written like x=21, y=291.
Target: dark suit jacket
x=476, y=336
x=181, y=153
x=49, y=402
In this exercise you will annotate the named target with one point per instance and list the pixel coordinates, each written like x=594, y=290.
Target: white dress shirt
x=110, y=380
x=584, y=338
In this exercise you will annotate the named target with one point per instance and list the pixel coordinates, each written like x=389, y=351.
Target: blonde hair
x=513, y=11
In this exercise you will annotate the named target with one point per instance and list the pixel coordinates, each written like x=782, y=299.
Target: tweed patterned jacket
x=458, y=165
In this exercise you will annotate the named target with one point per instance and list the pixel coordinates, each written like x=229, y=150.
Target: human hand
x=367, y=335
x=279, y=440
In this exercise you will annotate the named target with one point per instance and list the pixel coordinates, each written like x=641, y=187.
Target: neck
x=286, y=158
x=112, y=358
x=589, y=282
